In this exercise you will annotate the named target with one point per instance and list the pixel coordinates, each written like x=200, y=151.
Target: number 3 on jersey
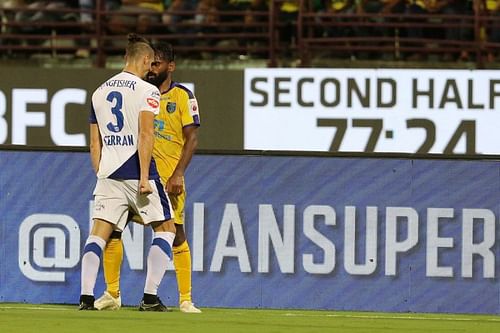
x=116, y=99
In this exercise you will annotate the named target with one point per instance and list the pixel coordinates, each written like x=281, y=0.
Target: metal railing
x=449, y=36
x=315, y=35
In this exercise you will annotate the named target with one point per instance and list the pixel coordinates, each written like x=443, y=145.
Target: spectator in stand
x=233, y=12
x=253, y=21
x=382, y=6
x=422, y=7
x=463, y=32
x=45, y=11
x=373, y=8
x=206, y=19
x=288, y=13
x=330, y=14
x=38, y=16
x=256, y=6
x=335, y=7
x=38, y=11
x=207, y=13
x=8, y=15
x=139, y=16
x=87, y=18
x=172, y=18
x=239, y=7
x=492, y=34
x=236, y=6
x=7, y=9
x=178, y=18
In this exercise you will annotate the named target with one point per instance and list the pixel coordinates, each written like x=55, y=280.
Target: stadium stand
x=305, y=33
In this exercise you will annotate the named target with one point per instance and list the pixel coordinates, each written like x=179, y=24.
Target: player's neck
x=165, y=86
x=130, y=68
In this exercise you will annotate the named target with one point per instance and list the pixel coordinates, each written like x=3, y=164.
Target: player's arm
x=175, y=182
x=95, y=146
x=145, y=149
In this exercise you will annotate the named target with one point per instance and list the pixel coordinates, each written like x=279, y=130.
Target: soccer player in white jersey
x=121, y=144
x=176, y=128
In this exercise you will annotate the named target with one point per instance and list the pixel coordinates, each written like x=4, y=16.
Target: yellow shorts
x=178, y=202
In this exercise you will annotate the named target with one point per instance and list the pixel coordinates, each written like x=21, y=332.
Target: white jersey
x=115, y=108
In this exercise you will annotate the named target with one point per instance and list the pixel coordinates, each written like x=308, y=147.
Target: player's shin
x=182, y=263
x=112, y=260
x=159, y=255
x=90, y=263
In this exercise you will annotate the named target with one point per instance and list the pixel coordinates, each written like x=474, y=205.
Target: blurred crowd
x=405, y=20
x=205, y=16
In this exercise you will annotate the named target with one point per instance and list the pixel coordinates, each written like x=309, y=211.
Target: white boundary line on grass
x=390, y=317
x=291, y=314
x=34, y=308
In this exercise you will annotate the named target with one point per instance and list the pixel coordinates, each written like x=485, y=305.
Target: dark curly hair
x=164, y=51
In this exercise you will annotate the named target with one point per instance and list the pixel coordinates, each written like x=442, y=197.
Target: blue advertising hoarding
x=374, y=234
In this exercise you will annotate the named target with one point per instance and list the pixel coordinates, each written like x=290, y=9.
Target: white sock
x=90, y=263
x=160, y=253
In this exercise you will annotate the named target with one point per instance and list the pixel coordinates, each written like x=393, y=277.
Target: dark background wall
x=219, y=94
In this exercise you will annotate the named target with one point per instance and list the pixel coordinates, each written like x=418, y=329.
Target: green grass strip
x=65, y=318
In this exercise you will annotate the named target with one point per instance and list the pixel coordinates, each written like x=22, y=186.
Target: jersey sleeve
x=151, y=100
x=190, y=111
x=92, y=116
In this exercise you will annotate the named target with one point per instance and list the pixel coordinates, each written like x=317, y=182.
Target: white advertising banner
x=373, y=110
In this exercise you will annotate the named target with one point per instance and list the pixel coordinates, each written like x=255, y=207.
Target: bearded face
x=156, y=78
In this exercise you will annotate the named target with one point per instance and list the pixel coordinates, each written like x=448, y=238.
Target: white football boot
x=108, y=302
x=188, y=307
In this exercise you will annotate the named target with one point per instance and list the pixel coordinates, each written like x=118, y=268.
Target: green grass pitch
x=65, y=318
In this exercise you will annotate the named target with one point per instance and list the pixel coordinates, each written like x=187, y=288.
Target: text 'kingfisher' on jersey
x=121, y=84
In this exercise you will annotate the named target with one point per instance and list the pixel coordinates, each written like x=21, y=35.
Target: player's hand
x=174, y=185
x=145, y=188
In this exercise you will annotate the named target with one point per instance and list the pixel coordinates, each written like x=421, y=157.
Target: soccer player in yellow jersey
x=176, y=128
